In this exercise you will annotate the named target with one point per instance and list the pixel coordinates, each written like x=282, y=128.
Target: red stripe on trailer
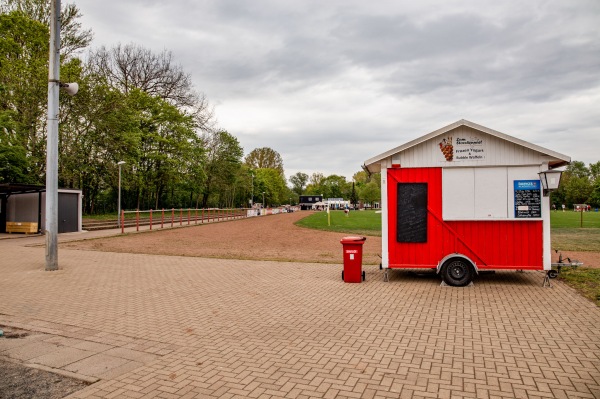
x=506, y=244
x=502, y=244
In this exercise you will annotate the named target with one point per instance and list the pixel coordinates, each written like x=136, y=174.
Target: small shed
x=26, y=203
x=465, y=198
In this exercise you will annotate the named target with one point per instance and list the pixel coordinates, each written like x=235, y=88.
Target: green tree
x=165, y=147
x=577, y=169
x=299, y=181
x=13, y=159
x=335, y=186
x=130, y=67
x=368, y=186
x=265, y=157
x=354, y=196
x=578, y=190
x=99, y=127
x=24, y=82
x=370, y=193
x=223, y=161
x=594, y=169
x=72, y=37
x=273, y=185
x=575, y=186
x=316, y=184
x=360, y=178
x=594, y=198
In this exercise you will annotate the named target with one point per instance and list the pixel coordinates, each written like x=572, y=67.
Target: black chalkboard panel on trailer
x=528, y=199
x=411, y=225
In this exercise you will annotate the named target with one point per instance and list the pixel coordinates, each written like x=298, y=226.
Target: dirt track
x=260, y=238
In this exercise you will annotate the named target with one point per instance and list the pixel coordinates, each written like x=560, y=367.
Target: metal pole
x=120, y=163
x=52, y=141
x=119, y=205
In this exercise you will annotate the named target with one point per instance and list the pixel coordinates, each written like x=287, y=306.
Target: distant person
x=554, y=207
x=563, y=207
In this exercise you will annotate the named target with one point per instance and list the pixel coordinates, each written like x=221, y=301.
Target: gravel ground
x=21, y=382
x=259, y=238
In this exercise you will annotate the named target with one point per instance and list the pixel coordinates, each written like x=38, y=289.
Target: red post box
x=352, y=248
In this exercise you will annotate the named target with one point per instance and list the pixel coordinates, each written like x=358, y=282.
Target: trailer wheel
x=457, y=272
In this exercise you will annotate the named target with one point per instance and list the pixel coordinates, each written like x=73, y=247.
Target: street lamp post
x=52, y=141
x=119, y=200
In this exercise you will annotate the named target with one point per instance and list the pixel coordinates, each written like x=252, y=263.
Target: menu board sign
x=528, y=199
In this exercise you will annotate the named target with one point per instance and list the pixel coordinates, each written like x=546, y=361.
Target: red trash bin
x=352, y=248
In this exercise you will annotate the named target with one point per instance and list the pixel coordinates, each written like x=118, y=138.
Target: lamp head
x=550, y=180
x=70, y=88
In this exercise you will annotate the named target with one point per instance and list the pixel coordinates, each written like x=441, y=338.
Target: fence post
x=162, y=218
x=196, y=216
x=137, y=220
x=150, y=219
x=122, y=222
x=180, y=217
x=188, y=216
x=172, y=216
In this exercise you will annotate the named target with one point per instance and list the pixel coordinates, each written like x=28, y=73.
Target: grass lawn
x=570, y=239
x=584, y=280
x=572, y=219
x=567, y=235
x=366, y=223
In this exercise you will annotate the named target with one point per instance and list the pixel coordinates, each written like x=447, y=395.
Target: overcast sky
x=330, y=84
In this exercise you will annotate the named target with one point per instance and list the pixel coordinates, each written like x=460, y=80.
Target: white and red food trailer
x=465, y=198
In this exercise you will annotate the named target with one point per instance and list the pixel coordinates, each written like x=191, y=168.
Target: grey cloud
x=507, y=65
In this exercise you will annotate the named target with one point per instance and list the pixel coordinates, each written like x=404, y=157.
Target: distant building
x=337, y=203
x=307, y=201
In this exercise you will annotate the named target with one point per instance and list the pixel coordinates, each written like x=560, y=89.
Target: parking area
x=243, y=328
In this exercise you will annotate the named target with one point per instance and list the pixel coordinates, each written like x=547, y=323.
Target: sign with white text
x=528, y=199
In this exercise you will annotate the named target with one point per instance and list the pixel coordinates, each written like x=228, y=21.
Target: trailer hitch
x=554, y=272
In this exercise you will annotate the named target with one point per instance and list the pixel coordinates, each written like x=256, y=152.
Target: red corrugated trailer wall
x=510, y=244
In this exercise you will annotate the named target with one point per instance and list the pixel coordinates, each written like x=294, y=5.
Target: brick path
x=233, y=329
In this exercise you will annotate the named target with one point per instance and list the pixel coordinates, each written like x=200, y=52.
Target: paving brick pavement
x=237, y=329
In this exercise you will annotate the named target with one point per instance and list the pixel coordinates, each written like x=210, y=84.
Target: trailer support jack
x=547, y=280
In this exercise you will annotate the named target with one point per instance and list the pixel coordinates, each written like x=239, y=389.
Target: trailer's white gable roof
x=423, y=151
